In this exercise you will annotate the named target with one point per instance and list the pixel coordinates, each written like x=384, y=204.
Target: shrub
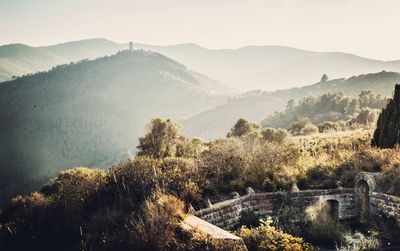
x=242, y=128
x=248, y=218
x=323, y=229
x=274, y=135
x=273, y=167
x=299, y=125
x=130, y=182
x=366, y=117
x=222, y=167
x=156, y=227
x=266, y=237
x=329, y=126
x=308, y=130
x=73, y=186
x=360, y=242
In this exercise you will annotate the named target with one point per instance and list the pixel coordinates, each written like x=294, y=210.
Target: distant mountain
x=88, y=113
x=19, y=59
x=256, y=105
x=247, y=68
x=270, y=67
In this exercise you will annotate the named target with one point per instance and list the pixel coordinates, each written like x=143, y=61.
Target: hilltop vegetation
x=90, y=113
x=332, y=107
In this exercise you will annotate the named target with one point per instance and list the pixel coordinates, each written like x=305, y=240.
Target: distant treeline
x=330, y=107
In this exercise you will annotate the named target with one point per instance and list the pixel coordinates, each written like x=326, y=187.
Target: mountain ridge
x=264, y=67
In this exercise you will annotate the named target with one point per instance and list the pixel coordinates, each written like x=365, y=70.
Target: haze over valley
x=191, y=125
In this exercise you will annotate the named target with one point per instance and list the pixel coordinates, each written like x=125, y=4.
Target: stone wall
x=362, y=203
x=379, y=203
x=226, y=214
x=386, y=205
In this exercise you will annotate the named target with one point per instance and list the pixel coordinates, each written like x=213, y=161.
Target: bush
x=243, y=128
x=156, y=227
x=308, y=130
x=366, y=117
x=329, y=126
x=298, y=125
x=360, y=242
x=222, y=167
x=323, y=229
x=274, y=135
x=130, y=182
x=248, y=218
x=266, y=237
x=273, y=167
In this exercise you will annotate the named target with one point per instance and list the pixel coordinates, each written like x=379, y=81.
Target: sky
x=367, y=28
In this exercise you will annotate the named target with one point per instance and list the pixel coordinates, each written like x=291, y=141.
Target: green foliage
x=268, y=238
x=274, y=135
x=331, y=107
x=161, y=140
x=360, y=242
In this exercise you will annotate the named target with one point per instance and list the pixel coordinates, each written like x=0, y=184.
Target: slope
x=87, y=113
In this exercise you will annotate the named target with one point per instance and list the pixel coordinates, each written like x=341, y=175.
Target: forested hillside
x=257, y=105
x=90, y=112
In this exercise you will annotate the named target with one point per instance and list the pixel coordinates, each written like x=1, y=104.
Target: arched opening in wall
x=331, y=207
x=362, y=201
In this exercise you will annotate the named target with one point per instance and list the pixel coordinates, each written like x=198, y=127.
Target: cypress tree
x=387, y=132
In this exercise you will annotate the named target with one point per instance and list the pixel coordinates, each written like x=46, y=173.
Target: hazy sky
x=365, y=27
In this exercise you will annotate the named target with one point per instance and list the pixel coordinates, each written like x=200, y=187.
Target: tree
x=324, y=78
x=365, y=117
x=387, y=132
x=290, y=105
x=243, y=127
x=161, y=140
